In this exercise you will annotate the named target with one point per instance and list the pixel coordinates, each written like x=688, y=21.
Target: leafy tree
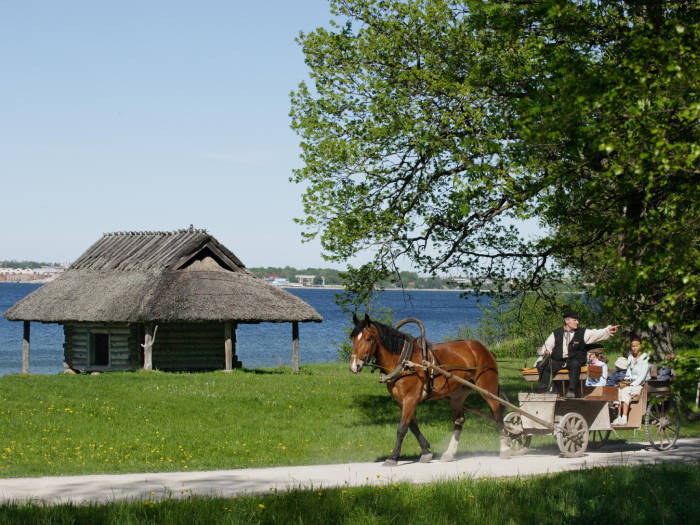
x=432, y=127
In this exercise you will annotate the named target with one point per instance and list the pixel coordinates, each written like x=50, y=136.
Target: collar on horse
x=407, y=353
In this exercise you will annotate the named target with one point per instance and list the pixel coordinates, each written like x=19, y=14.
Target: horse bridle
x=371, y=356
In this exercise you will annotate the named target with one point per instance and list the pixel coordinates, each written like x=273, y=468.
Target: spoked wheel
x=518, y=441
x=662, y=424
x=572, y=437
x=598, y=438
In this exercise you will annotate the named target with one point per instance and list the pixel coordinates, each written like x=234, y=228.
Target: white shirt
x=637, y=371
x=590, y=335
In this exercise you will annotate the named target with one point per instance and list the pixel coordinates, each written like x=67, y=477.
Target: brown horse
x=470, y=360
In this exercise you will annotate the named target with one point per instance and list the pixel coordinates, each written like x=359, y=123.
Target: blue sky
x=151, y=116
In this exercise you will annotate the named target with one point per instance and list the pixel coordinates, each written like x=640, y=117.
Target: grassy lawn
x=152, y=421
x=655, y=495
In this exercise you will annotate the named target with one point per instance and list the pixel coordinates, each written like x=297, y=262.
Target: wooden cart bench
x=532, y=374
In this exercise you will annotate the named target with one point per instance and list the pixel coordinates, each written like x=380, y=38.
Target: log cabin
x=164, y=300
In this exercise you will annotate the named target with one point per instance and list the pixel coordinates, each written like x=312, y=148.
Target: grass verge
x=655, y=494
x=152, y=421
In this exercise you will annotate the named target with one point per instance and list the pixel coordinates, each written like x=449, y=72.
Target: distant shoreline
x=319, y=287
x=393, y=289
x=33, y=281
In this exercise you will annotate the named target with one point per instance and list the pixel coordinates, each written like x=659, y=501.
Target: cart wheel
x=598, y=438
x=518, y=441
x=662, y=424
x=572, y=436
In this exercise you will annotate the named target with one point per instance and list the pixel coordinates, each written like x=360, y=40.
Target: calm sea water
x=261, y=345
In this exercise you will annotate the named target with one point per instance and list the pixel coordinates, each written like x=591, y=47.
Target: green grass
x=657, y=495
x=152, y=421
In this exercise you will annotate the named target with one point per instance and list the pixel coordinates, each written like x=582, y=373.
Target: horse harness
x=427, y=354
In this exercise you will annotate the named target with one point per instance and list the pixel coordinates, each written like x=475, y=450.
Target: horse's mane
x=391, y=338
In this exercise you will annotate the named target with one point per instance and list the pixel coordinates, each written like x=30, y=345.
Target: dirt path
x=227, y=483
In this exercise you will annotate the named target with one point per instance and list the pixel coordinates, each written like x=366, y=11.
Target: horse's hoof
x=506, y=454
x=426, y=458
x=390, y=462
x=446, y=458
x=520, y=452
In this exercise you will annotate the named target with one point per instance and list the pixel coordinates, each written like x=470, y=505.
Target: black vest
x=577, y=346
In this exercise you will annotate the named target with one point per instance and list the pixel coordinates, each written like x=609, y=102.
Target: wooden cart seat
x=608, y=393
x=603, y=393
x=532, y=374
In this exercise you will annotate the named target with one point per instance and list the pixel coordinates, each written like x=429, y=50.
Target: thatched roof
x=185, y=275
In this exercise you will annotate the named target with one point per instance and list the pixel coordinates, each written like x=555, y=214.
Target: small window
x=99, y=351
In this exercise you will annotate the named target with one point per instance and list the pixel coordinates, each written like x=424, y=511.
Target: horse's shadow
x=377, y=409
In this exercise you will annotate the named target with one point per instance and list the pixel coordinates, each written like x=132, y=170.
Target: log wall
x=177, y=347
x=189, y=346
x=124, y=344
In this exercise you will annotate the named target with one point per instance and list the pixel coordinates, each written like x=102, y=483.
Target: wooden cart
x=585, y=420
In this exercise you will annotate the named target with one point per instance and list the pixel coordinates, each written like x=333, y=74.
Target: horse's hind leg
x=425, y=454
x=497, y=410
x=457, y=405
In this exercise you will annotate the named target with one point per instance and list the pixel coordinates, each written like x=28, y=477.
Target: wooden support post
x=295, y=346
x=148, y=348
x=228, y=346
x=25, y=349
x=236, y=362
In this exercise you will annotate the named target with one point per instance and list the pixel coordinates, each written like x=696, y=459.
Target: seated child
x=637, y=374
x=595, y=358
x=619, y=373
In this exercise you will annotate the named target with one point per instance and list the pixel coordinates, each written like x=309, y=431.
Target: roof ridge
x=191, y=229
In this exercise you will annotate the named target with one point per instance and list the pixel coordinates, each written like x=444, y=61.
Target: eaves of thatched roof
x=184, y=276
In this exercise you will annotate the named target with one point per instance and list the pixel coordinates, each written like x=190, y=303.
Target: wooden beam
x=295, y=346
x=236, y=362
x=25, y=349
x=148, y=348
x=228, y=346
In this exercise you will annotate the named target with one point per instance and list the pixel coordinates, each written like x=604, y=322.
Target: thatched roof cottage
x=165, y=300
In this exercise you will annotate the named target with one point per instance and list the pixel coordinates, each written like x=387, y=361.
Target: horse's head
x=365, y=338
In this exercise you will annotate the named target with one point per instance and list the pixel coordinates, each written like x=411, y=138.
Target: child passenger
x=619, y=373
x=595, y=358
x=636, y=376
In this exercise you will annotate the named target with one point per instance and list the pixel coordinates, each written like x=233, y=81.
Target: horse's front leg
x=408, y=414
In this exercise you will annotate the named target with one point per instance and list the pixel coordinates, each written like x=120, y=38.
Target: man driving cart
x=565, y=348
